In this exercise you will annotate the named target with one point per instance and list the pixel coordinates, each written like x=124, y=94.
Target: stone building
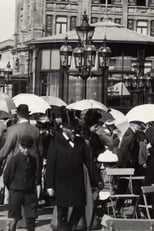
x=6, y=65
x=37, y=19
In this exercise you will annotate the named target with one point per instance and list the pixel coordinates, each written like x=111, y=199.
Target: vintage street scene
x=77, y=115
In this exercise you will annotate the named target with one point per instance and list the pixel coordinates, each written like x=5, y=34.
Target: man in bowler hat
x=22, y=127
x=14, y=132
x=20, y=177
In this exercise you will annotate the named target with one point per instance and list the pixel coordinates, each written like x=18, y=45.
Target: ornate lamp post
x=65, y=61
x=8, y=72
x=104, y=53
x=138, y=85
x=85, y=55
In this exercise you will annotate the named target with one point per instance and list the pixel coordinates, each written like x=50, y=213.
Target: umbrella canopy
x=120, y=120
x=54, y=101
x=143, y=113
x=86, y=104
x=35, y=103
x=107, y=157
x=7, y=106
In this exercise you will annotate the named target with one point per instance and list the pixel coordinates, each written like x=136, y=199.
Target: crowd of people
x=69, y=146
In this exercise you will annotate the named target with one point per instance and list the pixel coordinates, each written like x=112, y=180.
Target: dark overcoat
x=129, y=150
x=65, y=173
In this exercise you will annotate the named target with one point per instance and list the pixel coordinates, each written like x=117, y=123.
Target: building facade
x=37, y=19
x=6, y=65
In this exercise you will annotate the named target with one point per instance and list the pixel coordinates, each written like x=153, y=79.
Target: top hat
x=23, y=109
x=26, y=141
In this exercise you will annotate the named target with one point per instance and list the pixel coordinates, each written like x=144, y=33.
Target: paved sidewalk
x=42, y=222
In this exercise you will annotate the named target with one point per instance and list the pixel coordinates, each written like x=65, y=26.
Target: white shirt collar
x=67, y=138
x=22, y=120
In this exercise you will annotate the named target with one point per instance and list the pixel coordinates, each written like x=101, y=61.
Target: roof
x=9, y=43
x=105, y=29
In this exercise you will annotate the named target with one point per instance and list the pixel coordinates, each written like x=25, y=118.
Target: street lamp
x=104, y=53
x=8, y=72
x=137, y=85
x=85, y=56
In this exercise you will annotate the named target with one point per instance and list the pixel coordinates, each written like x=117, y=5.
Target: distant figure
x=129, y=148
x=20, y=177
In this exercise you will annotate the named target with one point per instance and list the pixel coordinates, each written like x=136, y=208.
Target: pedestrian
x=129, y=148
x=128, y=158
x=66, y=157
x=11, y=145
x=20, y=178
x=22, y=127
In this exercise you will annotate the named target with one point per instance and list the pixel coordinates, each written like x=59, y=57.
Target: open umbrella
x=54, y=101
x=120, y=120
x=143, y=113
x=86, y=104
x=35, y=103
x=7, y=106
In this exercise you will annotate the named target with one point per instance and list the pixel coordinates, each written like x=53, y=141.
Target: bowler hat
x=23, y=109
x=110, y=122
x=26, y=141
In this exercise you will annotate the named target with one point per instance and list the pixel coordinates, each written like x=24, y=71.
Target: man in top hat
x=65, y=175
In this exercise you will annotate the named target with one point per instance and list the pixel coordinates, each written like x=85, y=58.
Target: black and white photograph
x=77, y=115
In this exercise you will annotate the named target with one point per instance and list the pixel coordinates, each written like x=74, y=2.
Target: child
x=20, y=179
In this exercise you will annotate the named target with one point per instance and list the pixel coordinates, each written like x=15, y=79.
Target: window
x=131, y=2
x=61, y=24
x=152, y=28
x=94, y=20
x=73, y=23
x=49, y=25
x=46, y=59
x=141, y=2
x=142, y=27
x=118, y=20
x=130, y=24
x=50, y=59
x=104, y=1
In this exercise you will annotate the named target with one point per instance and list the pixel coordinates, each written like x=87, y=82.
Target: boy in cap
x=20, y=177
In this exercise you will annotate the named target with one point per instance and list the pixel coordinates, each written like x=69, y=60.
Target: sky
x=7, y=19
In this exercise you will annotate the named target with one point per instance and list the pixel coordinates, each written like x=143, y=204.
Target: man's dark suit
x=129, y=150
x=65, y=174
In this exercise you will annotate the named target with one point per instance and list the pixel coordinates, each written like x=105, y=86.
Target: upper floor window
x=104, y=1
x=94, y=20
x=72, y=22
x=101, y=1
x=118, y=20
x=141, y=3
x=49, y=25
x=142, y=27
x=61, y=24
